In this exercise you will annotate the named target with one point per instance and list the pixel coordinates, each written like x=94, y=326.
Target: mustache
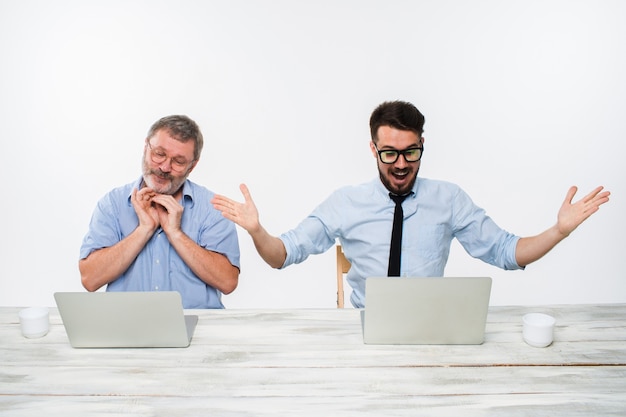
x=161, y=174
x=400, y=171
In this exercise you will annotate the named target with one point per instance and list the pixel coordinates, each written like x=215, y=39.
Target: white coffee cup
x=538, y=329
x=34, y=322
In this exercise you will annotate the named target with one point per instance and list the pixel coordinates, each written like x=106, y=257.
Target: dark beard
x=395, y=190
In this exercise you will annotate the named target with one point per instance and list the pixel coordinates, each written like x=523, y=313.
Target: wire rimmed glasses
x=158, y=156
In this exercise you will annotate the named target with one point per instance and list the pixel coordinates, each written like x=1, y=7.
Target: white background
x=522, y=100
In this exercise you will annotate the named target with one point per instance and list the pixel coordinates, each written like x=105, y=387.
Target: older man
x=161, y=233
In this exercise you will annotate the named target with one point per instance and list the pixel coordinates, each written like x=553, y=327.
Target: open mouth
x=400, y=175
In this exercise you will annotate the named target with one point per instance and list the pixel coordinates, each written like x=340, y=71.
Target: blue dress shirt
x=158, y=267
x=361, y=216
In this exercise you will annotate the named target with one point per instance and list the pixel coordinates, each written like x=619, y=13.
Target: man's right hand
x=144, y=207
x=244, y=214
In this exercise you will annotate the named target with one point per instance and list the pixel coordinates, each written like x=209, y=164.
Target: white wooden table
x=314, y=363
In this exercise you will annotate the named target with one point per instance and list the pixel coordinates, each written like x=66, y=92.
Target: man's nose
x=401, y=161
x=166, y=166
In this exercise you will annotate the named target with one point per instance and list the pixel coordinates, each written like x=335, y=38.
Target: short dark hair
x=400, y=115
x=182, y=128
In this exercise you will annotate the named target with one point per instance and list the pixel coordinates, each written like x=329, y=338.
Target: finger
x=229, y=217
x=145, y=190
x=227, y=210
x=601, y=198
x=145, y=194
x=220, y=200
x=246, y=192
x=220, y=207
x=163, y=197
x=137, y=199
x=593, y=194
x=570, y=194
x=166, y=201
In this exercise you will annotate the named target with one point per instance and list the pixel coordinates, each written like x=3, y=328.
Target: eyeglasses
x=390, y=156
x=158, y=157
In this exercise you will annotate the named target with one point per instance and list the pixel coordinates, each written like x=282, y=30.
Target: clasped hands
x=154, y=210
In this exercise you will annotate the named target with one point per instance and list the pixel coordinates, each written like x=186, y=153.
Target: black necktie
x=396, y=237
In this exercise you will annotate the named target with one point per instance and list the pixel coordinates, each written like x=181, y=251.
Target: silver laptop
x=426, y=311
x=125, y=319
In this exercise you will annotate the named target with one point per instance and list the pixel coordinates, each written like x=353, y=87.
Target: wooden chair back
x=343, y=266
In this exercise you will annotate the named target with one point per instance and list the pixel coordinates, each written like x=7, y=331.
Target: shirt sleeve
x=313, y=235
x=103, y=230
x=220, y=235
x=480, y=236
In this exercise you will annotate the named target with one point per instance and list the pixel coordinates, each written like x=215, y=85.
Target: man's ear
x=193, y=165
x=373, y=149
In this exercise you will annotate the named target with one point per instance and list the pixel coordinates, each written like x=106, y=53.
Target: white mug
x=34, y=322
x=538, y=329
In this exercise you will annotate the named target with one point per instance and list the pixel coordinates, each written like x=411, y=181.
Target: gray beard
x=174, y=186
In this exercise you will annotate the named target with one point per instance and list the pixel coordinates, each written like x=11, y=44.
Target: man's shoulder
x=364, y=187
x=197, y=191
x=362, y=194
x=435, y=183
x=437, y=189
x=122, y=191
x=353, y=191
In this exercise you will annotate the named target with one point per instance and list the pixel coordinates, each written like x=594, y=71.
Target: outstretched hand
x=571, y=215
x=244, y=214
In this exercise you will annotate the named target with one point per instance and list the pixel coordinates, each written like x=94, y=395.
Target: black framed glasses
x=390, y=156
x=158, y=156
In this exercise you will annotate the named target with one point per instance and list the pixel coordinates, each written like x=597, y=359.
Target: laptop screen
x=444, y=310
x=125, y=319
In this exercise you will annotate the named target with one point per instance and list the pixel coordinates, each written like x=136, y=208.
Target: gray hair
x=181, y=128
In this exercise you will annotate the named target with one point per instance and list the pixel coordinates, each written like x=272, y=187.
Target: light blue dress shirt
x=361, y=216
x=158, y=267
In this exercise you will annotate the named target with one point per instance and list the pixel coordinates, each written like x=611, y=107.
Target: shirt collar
x=383, y=192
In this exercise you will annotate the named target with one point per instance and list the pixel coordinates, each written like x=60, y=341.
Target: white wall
x=522, y=99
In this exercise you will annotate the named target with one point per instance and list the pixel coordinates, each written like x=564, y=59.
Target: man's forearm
x=271, y=248
x=531, y=249
x=212, y=268
x=107, y=264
